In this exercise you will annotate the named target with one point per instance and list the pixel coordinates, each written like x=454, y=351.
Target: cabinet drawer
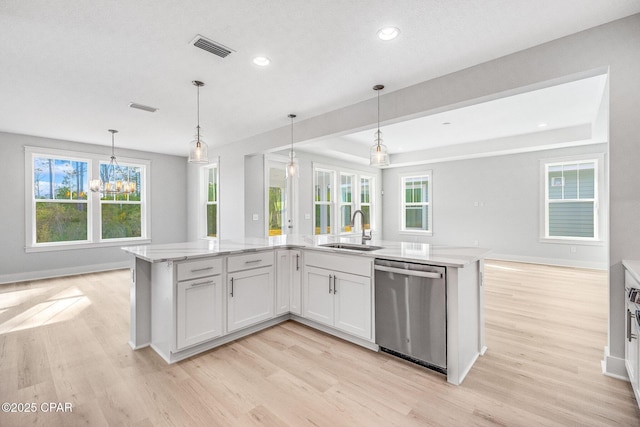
x=199, y=268
x=353, y=264
x=252, y=260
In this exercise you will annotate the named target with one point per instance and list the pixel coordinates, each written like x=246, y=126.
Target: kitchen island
x=189, y=297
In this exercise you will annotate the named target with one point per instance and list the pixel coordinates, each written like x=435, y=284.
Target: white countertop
x=451, y=256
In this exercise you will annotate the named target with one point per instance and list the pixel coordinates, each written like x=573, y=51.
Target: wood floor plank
x=65, y=340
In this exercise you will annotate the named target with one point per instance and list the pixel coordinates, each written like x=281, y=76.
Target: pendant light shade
x=112, y=179
x=198, y=148
x=379, y=155
x=292, y=166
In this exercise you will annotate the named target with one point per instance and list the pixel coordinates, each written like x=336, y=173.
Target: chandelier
x=114, y=181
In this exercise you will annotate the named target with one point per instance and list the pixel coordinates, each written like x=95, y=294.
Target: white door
x=352, y=297
x=199, y=311
x=280, y=199
x=249, y=297
x=318, y=295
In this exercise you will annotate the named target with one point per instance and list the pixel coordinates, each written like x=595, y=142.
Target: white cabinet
x=198, y=299
x=632, y=332
x=198, y=311
x=337, y=292
x=288, y=281
x=250, y=290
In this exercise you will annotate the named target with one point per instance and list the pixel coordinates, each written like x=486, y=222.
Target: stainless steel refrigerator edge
x=411, y=312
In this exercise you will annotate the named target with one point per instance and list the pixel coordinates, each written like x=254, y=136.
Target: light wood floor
x=65, y=340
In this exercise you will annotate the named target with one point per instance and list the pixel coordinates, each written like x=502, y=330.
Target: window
x=211, y=200
x=63, y=213
x=338, y=193
x=322, y=189
x=121, y=214
x=366, y=191
x=416, y=203
x=346, y=202
x=571, y=199
x=60, y=201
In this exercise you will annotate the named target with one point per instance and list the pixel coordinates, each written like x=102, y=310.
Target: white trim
x=336, y=197
x=428, y=203
x=614, y=366
x=62, y=272
x=204, y=199
x=599, y=228
x=93, y=202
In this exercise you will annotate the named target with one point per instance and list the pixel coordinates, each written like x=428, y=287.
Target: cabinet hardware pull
x=297, y=262
x=252, y=261
x=201, y=283
x=201, y=269
x=330, y=277
x=335, y=287
x=232, y=287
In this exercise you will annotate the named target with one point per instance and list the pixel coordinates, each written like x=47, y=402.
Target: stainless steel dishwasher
x=411, y=312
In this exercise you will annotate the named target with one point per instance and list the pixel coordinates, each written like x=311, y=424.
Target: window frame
x=94, y=213
x=598, y=160
x=428, y=204
x=336, y=198
x=204, y=194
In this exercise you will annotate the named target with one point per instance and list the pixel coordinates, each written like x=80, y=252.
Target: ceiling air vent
x=211, y=46
x=142, y=107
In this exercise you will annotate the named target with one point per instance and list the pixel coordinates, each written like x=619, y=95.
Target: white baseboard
x=561, y=262
x=614, y=366
x=61, y=272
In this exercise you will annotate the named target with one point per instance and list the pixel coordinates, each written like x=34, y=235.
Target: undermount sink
x=351, y=246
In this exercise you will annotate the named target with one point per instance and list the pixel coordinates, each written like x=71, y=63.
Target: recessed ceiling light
x=542, y=125
x=388, y=33
x=446, y=123
x=261, y=61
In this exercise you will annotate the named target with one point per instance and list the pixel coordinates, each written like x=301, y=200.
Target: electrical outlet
x=307, y=216
x=475, y=243
x=255, y=217
x=573, y=249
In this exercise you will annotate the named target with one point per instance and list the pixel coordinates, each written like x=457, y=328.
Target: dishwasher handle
x=427, y=274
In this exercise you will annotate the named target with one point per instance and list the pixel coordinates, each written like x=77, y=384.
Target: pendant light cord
x=198, y=127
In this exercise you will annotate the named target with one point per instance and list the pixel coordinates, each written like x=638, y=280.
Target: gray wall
x=168, y=211
x=506, y=219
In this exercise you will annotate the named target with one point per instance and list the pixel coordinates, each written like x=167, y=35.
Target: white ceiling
x=70, y=68
x=535, y=112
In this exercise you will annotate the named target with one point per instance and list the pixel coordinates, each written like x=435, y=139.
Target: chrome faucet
x=365, y=237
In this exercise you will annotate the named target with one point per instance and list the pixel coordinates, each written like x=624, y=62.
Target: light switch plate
x=307, y=216
x=255, y=217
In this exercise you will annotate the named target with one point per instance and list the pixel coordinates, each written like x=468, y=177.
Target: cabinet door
x=352, y=298
x=283, y=280
x=198, y=311
x=249, y=297
x=295, y=302
x=631, y=348
x=318, y=295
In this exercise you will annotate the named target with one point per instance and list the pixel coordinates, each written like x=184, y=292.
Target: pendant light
x=116, y=182
x=292, y=166
x=198, y=148
x=379, y=155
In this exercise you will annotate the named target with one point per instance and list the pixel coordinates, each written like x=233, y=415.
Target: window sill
x=74, y=246
x=416, y=233
x=570, y=241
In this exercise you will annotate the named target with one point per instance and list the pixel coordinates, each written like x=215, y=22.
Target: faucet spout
x=365, y=237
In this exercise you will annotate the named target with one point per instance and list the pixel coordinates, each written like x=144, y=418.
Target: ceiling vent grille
x=142, y=107
x=211, y=46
